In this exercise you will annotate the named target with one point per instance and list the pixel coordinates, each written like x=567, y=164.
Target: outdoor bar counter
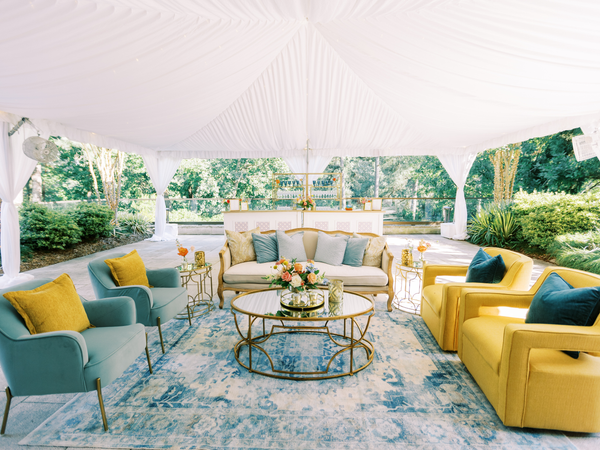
x=327, y=220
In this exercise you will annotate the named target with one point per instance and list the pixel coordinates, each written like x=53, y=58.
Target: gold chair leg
x=189, y=315
x=6, y=409
x=148, y=356
x=162, y=344
x=99, y=389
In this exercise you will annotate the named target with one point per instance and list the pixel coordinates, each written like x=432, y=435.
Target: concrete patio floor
x=27, y=413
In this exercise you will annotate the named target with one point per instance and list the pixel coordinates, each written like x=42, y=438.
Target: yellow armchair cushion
x=486, y=334
x=54, y=306
x=128, y=270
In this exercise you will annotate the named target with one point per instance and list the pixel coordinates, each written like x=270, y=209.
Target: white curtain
x=15, y=170
x=161, y=171
x=316, y=163
x=458, y=167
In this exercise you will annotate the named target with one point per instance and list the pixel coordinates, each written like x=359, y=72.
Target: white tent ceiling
x=255, y=78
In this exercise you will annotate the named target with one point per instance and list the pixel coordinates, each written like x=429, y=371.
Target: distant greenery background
x=547, y=165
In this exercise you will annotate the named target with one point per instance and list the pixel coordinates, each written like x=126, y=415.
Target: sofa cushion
x=128, y=270
x=331, y=249
x=249, y=272
x=291, y=246
x=265, y=247
x=486, y=334
x=374, y=250
x=252, y=272
x=355, y=251
x=241, y=246
x=557, y=302
x=486, y=269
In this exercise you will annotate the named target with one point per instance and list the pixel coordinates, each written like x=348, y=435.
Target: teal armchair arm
x=45, y=363
x=168, y=277
x=141, y=295
x=110, y=312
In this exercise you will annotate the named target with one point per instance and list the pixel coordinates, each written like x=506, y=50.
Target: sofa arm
x=166, y=277
x=473, y=299
x=387, y=260
x=431, y=271
x=224, y=259
x=519, y=340
x=111, y=312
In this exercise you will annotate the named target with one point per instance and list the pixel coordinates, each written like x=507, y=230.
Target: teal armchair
x=69, y=361
x=154, y=305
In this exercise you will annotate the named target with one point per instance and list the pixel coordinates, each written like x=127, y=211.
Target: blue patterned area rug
x=412, y=396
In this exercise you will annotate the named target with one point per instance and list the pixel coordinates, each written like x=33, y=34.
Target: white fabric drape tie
x=316, y=163
x=161, y=171
x=15, y=170
x=458, y=167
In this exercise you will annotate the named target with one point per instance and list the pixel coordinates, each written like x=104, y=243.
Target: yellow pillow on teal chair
x=128, y=270
x=54, y=306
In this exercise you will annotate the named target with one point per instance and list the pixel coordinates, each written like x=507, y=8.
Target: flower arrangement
x=305, y=202
x=364, y=200
x=293, y=276
x=182, y=251
x=422, y=248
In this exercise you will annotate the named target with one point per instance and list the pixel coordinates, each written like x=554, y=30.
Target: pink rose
x=286, y=276
x=311, y=278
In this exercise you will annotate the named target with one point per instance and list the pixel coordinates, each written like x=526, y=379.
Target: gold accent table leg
x=148, y=356
x=101, y=402
x=189, y=314
x=162, y=344
x=250, y=343
x=351, y=345
x=6, y=409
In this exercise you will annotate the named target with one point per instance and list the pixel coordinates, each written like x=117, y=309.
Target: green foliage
x=495, y=226
x=43, y=228
x=582, y=241
x=543, y=216
x=130, y=223
x=94, y=220
x=578, y=251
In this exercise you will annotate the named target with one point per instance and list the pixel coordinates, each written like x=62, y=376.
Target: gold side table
x=408, y=280
x=200, y=301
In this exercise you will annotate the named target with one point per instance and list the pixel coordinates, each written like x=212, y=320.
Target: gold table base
x=352, y=344
x=407, y=298
x=201, y=302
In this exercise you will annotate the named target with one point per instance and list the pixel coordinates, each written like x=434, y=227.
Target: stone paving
x=26, y=413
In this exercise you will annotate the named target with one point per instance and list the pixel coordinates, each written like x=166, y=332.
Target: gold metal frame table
x=408, y=282
x=265, y=304
x=201, y=302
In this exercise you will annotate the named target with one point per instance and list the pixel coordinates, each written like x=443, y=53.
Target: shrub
x=581, y=241
x=587, y=259
x=133, y=224
x=543, y=216
x=94, y=220
x=43, y=228
x=495, y=225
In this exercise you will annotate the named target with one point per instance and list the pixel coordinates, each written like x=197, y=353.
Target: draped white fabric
x=458, y=167
x=230, y=78
x=15, y=170
x=316, y=163
x=161, y=171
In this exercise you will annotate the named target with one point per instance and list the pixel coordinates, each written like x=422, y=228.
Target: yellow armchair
x=440, y=302
x=520, y=366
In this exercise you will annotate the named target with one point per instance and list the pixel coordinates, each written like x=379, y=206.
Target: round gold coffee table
x=265, y=306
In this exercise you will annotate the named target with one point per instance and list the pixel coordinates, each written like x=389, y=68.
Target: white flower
x=296, y=281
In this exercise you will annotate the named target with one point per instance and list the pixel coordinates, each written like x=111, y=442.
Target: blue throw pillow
x=330, y=249
x=355, y=251
x=265, y=247
x=291, y=247
x=559, y=303
x=486, y=269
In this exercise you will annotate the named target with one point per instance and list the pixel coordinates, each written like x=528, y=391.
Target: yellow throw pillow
x=54, y=306
x=241, y=246
x=374, y=251
x=128, y=270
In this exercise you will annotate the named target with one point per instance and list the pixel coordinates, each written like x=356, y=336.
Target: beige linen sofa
x=248, y=276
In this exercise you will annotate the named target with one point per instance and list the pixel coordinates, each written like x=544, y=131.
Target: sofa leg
x=101, y=402
x=221, y=297
x=162, y=344
x=148, y=356
x=390, y=300
x=6, y=409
